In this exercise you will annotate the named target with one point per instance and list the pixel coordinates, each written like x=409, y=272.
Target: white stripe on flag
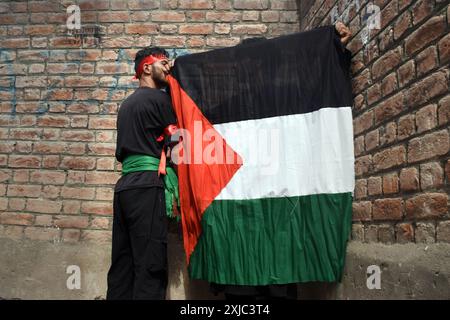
x=292, y=155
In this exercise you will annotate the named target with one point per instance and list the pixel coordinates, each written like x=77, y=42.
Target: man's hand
x=343, y=31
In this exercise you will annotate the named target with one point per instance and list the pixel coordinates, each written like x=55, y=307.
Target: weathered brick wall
x=401, y=117
x=59, y=98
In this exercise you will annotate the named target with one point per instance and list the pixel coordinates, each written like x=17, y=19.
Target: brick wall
x=401, y=117
x=59, y=98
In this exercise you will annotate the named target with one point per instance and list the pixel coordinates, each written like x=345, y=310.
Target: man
x=139, y=242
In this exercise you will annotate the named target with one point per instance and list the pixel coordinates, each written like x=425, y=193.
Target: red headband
x=148, y=60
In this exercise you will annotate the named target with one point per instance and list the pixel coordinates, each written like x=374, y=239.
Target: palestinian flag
x=267, y=170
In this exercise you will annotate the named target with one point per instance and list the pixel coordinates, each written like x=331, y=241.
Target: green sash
x=139, y=162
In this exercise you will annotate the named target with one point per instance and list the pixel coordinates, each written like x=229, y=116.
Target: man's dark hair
x=141, y=54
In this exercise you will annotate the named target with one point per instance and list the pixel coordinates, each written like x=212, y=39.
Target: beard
x=159, y=77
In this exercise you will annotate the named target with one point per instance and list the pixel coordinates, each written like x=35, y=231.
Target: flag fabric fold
x=267, y=170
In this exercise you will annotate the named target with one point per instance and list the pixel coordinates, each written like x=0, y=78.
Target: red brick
x=405, y=232
x=168, y=16
x=99, y=223
x=83, y=107
x=426, y=118
x=21, y=175
x=59, y=94
x=223, y=16
x=222, y=28
x=43, y=206
x=71, y=206
x=406, y=126
x=196, y=29
x=253, y=29
x=199, y=16
x=112, y=68
x=428, y=146
x=374, y=186
x=43, y=234
x=198, y=4
x=25, y=134
x=23, y=146
x=362, y=211
x=389, y=108
x=387, y=209
x=94, y=5
x=389, y=84
x=78, y=135
x=84, y=193
x=283, y=4
x=12, y=232
x=372, y=140
x=431, y=175
x=222, y=42
x=426, y=60
x=444, y=110
x=76, y=148
x=409, y=179
x=24, y=161
x=118, y=42
x=80, y=163
x=427, y=205
x=104, y=194
x=16, y=218
x=107, y=149
x=53, y=121
x=251, y=4
x=102, y=123
x=363, y=122
x=31, y=81
x=79, y=81
x=422, y=9
x=388, y=133
x=49, y=162
x=423, y=91
x=389, y=158
x=51, y=192
x=360, y=188
x=402, y=25
x=48, y=177
x=390, y=184
x=359, y=145
x=363, y=165
x=78, y=222
x=142, y=28
x=429, y=31
x=270, y=16
x=96, y=207
x=223, y=4
x=361, y=81
x=444, y=50
x=39, y=30
x=387, y=63
x=102, y=178
x=44, y=220
x=15, y=43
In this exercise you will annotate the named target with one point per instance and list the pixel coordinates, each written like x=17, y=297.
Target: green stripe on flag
x=274, y=240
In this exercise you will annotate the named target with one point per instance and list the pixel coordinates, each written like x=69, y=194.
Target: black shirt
x=141, y=120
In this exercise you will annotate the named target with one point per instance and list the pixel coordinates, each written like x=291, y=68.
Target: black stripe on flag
x=293, y=74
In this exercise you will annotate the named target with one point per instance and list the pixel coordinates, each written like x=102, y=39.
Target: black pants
x=139, y=245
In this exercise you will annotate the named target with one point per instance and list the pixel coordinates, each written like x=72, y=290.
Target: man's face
x=160, y=70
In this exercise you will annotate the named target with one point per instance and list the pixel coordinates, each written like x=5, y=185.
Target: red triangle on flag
x=200, y=180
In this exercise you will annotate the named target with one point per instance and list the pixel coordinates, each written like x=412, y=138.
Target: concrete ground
x=37, y=270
